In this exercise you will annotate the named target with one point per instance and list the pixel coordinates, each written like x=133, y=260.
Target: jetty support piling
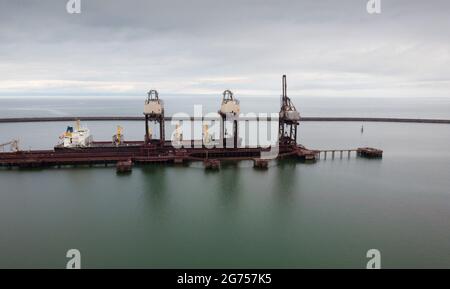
x=124, y=166
x=260, y=163
x=211, y=164
x=370, y=153
x=178, y=161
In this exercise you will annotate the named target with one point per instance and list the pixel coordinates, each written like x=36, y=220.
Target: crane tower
x=154, y=111
x=229, y=110
x=288, y=120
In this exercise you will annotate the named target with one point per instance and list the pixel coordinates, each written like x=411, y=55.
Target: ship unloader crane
x=288, y=119
x=229, y=111
x=154, y=111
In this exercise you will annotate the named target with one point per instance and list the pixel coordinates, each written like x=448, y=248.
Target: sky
x=327, y=48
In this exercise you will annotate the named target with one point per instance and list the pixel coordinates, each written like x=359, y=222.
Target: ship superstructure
x=80, y=137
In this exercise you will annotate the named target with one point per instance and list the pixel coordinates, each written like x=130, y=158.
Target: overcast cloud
x=326, y=47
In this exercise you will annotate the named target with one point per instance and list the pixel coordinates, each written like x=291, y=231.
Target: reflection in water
x=285, y=185
x=154, y=185
x=229, y=184
x=291, y=215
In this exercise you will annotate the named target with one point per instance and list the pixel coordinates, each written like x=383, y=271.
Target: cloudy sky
x=326, y=47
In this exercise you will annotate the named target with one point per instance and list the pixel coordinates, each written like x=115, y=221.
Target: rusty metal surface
x=138, y=154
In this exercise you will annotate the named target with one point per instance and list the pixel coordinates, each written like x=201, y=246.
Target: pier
x=333, y=153
x=142, y=155
x=365, y=152
x=77, y=147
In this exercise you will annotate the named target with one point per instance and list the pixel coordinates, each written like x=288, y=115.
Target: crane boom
x=14, y=145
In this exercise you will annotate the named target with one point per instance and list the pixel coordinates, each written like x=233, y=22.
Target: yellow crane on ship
x=119, y=134
x=118, y=138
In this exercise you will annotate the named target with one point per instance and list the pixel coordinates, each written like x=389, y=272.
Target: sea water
x=325, y=214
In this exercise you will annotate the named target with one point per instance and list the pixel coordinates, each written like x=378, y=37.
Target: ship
x=79, y=138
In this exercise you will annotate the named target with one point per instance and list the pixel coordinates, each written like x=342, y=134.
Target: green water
x=314, y=215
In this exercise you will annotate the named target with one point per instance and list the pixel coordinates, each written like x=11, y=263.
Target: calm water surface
x=319, y=215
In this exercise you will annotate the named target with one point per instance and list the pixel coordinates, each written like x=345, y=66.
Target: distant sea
x=419, y=107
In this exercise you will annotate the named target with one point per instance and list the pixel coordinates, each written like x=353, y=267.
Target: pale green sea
x=297, y=215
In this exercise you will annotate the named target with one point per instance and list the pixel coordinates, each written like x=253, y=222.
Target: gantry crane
x=288, y=120
x=154, y=111
x=229, y=110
